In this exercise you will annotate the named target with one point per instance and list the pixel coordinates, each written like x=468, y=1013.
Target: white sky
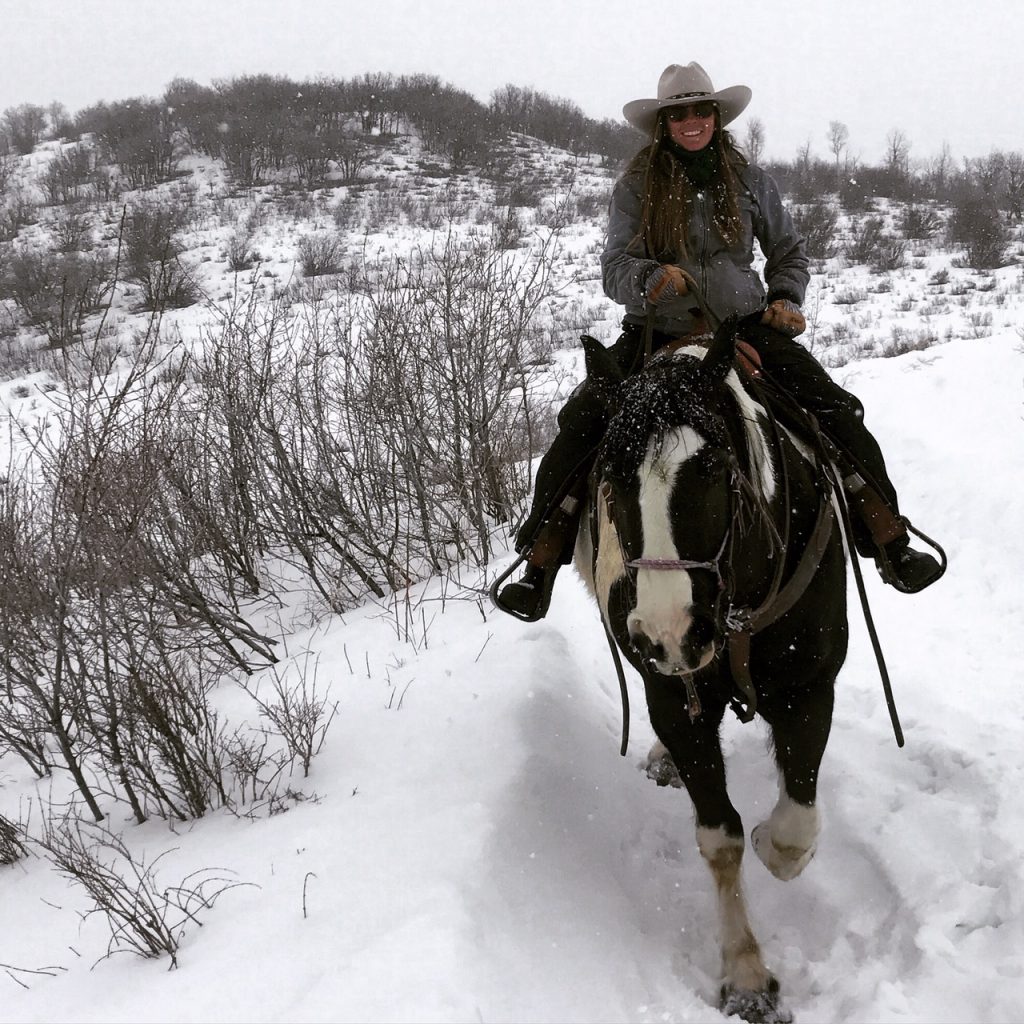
x=939, y=71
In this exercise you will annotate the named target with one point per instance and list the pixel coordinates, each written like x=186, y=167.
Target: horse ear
x=599, y=362
x=719, y=357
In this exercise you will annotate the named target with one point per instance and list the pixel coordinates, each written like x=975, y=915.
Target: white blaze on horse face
x=664, y=599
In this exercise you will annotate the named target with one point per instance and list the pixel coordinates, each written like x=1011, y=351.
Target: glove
x=785, y=317
x=665, y=283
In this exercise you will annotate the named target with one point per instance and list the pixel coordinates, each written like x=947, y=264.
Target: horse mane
x=667, y=394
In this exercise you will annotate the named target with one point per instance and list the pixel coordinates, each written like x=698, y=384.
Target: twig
x=309, y=875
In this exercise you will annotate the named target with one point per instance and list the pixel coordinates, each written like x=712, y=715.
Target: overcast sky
x=938, y=71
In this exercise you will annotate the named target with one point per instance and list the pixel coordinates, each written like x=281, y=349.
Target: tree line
x=259, y=124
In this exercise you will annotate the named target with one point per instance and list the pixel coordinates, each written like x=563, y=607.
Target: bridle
x=737, y=623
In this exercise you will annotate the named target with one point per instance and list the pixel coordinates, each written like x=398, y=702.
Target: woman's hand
x=785, y=317
x=665, y=283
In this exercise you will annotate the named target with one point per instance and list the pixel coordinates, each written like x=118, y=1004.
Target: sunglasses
x=701, y=110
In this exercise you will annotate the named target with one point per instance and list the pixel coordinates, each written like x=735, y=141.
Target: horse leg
x=748, y=987
x=785, y=842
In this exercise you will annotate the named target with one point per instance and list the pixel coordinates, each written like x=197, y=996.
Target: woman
x=681, y=232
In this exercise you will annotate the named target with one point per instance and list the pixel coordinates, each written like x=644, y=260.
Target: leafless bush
x=11, y=846
x=507, y=231
x=152, y=254
x=115, y=621
x=384, y=437
x=24, y=125
x=145, y=917
x=240, y=252
x=20, y=210
x=450, y=334
x=57, y=291
x=68, y=176
x=903, y=340
x=297, y=712
x=977, y=225
x=7, y=166
x=72, y=230
x=917, y=221
x=320, y=254
x=870, y=243
x=817, y=223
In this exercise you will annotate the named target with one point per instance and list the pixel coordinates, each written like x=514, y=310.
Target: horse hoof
x=784, y=862
x=760, y=1007
x=662, y=769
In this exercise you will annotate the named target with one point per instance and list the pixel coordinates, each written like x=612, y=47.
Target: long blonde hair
x=668, y=194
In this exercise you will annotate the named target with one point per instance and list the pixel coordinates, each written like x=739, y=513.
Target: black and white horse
x=702, y=515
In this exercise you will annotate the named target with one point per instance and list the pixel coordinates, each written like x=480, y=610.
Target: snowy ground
x=482, y=853
x=473, y=848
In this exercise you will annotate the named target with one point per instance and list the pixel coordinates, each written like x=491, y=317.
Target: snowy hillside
x=469, y=846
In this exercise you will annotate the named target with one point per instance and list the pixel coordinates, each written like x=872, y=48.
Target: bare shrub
x=153, y=255
x=115, y=622
x=382, y=438
x=24, y=125
x=977, y=225
x=449, y=331
x=20, y=210
x=870, y=243
x=11, y=846
x=855, y=195
x=298, y=713
x=865, y=237
x=72, y=230
x=240, y=252
x=320, y=254
x=916, y=222
x=145, y=917
x=68, y=176
x=817, y=223
x=507, y=229
x=903, y=340
x=57, y=291
x=8, y=163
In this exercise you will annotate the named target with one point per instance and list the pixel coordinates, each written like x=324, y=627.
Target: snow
x=471, y=847
x=483, y=853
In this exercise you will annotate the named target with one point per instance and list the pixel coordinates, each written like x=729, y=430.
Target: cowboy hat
x=682, y=84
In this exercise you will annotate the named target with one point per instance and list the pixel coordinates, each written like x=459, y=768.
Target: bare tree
x=940, y=170
x=1013, y=187
x=897, y=151
x=838, y=136
x=754, y=139
x=24, y=126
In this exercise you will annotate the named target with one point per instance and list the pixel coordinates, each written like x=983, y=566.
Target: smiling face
x=691, y=126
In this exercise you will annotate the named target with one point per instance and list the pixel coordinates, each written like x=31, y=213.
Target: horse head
x=669, y=465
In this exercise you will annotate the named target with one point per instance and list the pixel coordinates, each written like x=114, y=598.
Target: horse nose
x=647, y=647
x=699, y=637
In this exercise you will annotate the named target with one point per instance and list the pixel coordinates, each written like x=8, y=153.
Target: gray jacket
x=725, y=275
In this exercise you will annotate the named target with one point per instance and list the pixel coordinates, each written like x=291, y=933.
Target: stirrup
x=544, y=597
x=888, y=574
